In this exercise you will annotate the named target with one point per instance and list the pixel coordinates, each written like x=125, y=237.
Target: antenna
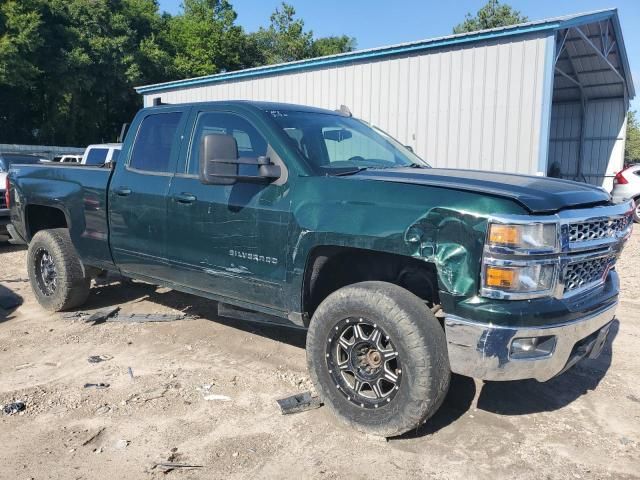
x=344, y=110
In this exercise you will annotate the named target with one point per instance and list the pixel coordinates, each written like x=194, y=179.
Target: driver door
x=228, y=240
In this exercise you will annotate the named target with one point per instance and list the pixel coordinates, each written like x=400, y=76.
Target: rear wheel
x=55, y=271
x=378, y=358
x=636, y=211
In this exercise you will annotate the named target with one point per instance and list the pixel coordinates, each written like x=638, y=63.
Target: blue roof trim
x=588, y=18
x=532, y=27
x=624, y=60
x=344, y=58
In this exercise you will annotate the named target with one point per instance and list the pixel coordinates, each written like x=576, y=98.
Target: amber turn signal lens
x=500, y=277
x=504, y=234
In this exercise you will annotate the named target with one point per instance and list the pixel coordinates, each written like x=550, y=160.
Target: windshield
x=335, y=144
x=6, y=160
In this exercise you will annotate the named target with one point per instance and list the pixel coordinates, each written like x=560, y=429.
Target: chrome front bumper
x=484, y=351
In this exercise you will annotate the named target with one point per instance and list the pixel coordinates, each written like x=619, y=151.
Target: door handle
x=123, y=191
x=185, y=198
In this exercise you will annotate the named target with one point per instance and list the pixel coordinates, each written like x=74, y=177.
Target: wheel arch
x=44, y=217
x=331, y=267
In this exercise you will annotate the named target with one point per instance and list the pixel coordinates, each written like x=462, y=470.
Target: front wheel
x=378, y=358
x=55, y=271
x=636, y=211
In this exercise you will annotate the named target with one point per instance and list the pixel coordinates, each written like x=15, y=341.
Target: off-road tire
x=71, y=286
x=418, y=338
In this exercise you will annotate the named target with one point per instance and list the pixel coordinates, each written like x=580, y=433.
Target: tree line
x=68, y=67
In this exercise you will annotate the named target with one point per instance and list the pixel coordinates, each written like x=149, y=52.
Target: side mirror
x=220, y=164
x=218, y=159
x=410, y=148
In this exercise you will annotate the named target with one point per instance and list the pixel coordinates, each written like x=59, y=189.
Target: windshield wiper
x=349, y=172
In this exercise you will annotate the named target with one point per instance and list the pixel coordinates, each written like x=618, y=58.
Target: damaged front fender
x=452, y=240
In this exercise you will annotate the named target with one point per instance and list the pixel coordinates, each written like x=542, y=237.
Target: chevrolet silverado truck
x=401, y=273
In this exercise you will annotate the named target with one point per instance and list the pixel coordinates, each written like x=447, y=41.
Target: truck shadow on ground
x=6, y=247
x=9, y=302
x=520, y=397
x=501, y=398
x=530, y=396
x=114, y=293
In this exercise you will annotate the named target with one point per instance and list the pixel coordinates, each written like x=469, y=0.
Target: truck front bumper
x=492, y=352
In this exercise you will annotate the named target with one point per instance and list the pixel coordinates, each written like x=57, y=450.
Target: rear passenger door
x=138, y=194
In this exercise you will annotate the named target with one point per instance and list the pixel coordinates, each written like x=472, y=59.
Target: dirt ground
x=584, y=424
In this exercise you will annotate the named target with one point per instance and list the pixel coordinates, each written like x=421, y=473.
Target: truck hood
x=536, y=194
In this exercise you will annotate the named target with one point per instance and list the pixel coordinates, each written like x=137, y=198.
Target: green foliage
x=492, y=15
x=205, y=38
x=285, y=39
x=332, y=45
x=18, y=40
x=68, y=67
x=632, y=145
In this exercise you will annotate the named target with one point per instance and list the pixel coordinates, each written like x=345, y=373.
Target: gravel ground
x=584, y=424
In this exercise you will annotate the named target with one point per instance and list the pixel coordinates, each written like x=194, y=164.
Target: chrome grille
x=597, y=229
x=582, y=274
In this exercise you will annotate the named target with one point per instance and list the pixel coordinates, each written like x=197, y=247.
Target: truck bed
x=79, y=191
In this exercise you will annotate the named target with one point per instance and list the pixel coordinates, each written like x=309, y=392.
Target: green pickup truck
x=401, y=273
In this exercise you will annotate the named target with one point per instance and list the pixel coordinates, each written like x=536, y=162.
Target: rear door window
x=97, y=156
x=154, y=144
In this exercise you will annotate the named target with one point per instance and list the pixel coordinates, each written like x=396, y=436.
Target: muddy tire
x=55, y=271
x=378, y=358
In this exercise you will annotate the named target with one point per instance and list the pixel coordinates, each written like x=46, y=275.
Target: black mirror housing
x=218, y=159
x=220, y=164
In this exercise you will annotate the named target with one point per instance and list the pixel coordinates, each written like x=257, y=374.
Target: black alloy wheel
x=364, y=363
x=46, y=272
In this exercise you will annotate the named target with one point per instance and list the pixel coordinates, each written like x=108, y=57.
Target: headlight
x=502, y=281
x=520, y=259
x=525, y=239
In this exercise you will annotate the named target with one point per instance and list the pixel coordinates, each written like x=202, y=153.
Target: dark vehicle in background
x=6, y=160
x=402, y=273
x=67, y=159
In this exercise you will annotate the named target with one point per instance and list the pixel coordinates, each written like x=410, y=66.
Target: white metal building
x=544, y=97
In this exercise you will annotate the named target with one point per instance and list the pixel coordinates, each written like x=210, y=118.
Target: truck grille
x=3, y=203
x=583, y=274
x=597, y=229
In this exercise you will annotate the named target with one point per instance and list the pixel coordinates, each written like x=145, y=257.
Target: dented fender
x=452, y=240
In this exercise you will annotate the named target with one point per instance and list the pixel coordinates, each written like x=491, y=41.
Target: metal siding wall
x=604, y=141
x=564, y=138
x=475, y=106
x=604, y=138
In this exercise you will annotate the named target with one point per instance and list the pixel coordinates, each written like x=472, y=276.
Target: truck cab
x=401, y=273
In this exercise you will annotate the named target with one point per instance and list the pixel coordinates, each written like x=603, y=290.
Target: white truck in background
x=101, y=153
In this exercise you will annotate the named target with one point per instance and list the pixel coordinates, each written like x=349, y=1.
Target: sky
x=375, y=23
